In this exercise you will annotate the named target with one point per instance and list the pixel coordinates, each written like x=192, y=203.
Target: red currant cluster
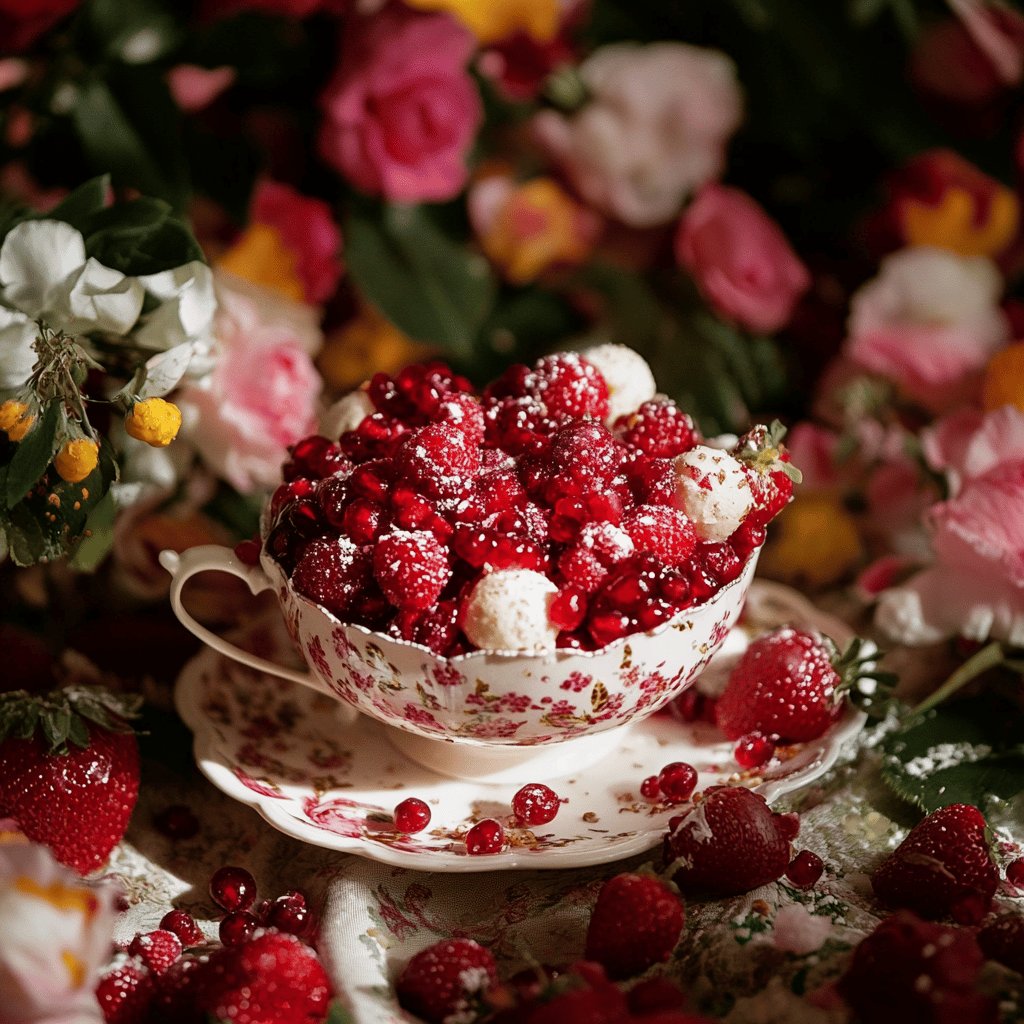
x=391, y=525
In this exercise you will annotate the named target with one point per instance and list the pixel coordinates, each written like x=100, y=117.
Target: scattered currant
x=486, y=836
x=677, y=781
x=233, y=888
x=535, y=804
x=805, y=869
x=412, y=815
x=237, y=927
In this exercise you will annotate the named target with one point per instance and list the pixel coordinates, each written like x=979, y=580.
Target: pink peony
x=740, y=259
x=307, y=229
x=654, y=129
x=929, y=322
x=401, y=112
x=262, y=393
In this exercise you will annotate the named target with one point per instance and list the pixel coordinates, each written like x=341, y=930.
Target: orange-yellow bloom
x=1003, y=383
x=77, y=459
x=154, y=421
x=15, y=419
x=493, y=20
x=261, y=256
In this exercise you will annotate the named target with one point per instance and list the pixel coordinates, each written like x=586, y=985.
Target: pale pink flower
x=740, y=259
x=654, y=128
x=262, y=393
x=812, y=449
x=402, y=111
x=57, y=933
x=195, y=88
x=929, y=322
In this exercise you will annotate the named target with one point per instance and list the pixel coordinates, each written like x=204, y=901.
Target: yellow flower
x=260, y=256
x=537, y=227
x=1004, y=379
x=15, y=419
x=813, y=543
x=154, y=421
x=366, y=345
x=956, y=222
x=493, y=20
x=77, y=459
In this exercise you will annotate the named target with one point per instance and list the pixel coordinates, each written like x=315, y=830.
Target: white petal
x=97, y=299
x=36, y=258
x=17, y=357
x=186, y=309
x=164, y=371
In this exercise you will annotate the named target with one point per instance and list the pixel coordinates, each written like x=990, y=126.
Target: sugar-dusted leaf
x=33, y=455
x=427, y=283
x=969, y=751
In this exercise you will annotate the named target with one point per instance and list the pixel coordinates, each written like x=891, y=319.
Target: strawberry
x=636, y=922
x=769, y=470
x=729, y=842
x=788, y=686
x=273, y=978
x=445, y=979
x=1002, y=940
x=157, y=950
x=69, y=770
x=943, y=868
x=910, y=970
x=125, y=993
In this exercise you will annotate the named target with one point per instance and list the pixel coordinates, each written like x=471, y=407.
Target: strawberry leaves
x=63, y=715
x=868, y=689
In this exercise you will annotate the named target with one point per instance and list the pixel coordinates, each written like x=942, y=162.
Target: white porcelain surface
x=326, y=775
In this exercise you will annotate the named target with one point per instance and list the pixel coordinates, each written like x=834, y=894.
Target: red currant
x=677, y=781
x=233, y=888
x=288, y=913
x=177, y=822
x=484, y=837
x=805, y=869
x=411, y=815
x=237, y=927
x=650, y=788
x=182, y=924
x=1015, y=872
x=535, y=804
x=248, y=552
x=754, y=750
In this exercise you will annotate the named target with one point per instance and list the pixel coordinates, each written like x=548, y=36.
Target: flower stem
x=979, y=662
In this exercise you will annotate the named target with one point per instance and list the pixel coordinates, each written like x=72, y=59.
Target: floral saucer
x=326, y=775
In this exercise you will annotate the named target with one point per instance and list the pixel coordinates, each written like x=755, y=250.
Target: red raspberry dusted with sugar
x=157, y=949
x=583, y=458
x=728, y=843
x=597, y=548
x=495, y=489
x=333, y=572
x=439, y=459
x=519, y=425
x=911, y=970
x=411, y=568
x=659, y=428
x=636, y=923
x=364, y=521
x=769, y=470
x=944, y=867
x=720, y=562
x=414, y=395
x=125, y=993
x=567, y=612
x=652, y=481
x=436, y=628
x=663, y=531
x=569, y=387
x=372, y=480
x=463, y=412
x=447, y=981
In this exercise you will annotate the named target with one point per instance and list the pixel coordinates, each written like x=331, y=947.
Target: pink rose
x=654, y=129
x=929, y=322
x=740, y=259
x=262, y=393
x=307, y=229
x=401, y=112
x=195, y=88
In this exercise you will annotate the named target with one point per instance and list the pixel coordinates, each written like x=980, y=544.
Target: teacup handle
x=215, y=558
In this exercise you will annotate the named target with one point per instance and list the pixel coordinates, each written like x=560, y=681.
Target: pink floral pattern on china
x=508, y=699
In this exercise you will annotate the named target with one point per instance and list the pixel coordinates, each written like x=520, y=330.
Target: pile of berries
x=392, y=524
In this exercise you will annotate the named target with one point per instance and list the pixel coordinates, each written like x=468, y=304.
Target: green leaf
x=140, y=237
x=338, y=1014
x=98, y=536
x=134, y=31
x=28, y=542
x=970, y=751
x=428, y=284
x=85, y=201
x=33, y=455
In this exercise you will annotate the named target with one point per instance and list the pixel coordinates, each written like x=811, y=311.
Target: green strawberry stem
x=981, y=661
x=869, y=689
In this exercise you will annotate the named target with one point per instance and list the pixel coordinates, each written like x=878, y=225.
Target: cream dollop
x=713, y=490
x=508, y=610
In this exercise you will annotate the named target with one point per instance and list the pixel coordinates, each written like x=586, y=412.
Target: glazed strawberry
x=332, y=572
x=910, y=970
x=943, y=868
x=157, y=949
x=729, y=842
x=446, y=979
x=769, y=470
x=411, y=568
x=788, y=686
x=659, y=428
x=636, y=923
x=73, y=782
x=663, y=531
x=125, y=993
x=274, y=978
x=1002, y=940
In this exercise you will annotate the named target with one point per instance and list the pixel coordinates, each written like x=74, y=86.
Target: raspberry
x=125, y=994
x=596, y=549
x=287, y=493
x=677, y=781
x=494, y=490
x=438, y=459
x=364, y=521
x=652, y=481
x=582, y=458
x=569, y=386
x=372, y=480
x=568, y=609
x=463, y=412
x=157, y=950
x=535, y=804
x=436, y=628
x=754, y=750
x=805, y=869
x=182, y=924
x=486, y=836
x=233, y=888
x=333, y=573
x=411, y=568
x=720, y=562
x=640, y=593
x=315, y=457
x=659, y=428
x=518, y=425
x=446, y=980
x=664, y=531
x=411, y=815
x=485, y=548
